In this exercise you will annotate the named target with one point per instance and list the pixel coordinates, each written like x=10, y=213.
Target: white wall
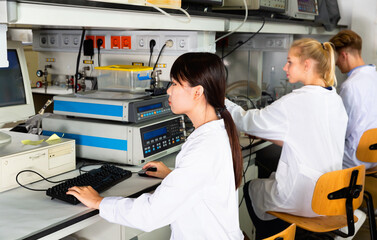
x=345, y=8
x=363, y=21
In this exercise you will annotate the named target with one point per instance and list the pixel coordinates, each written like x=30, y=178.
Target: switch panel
x=265, y=42
x=128, y=42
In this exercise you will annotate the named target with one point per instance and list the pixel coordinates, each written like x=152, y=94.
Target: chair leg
x=372, y=221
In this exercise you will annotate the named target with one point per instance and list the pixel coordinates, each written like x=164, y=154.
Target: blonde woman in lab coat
x=199, y=197
x=310, y=125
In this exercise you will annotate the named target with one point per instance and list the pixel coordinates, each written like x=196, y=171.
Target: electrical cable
x=78, y=59
x=99, y=60
x=243, y=22
x=234, y=49
x=158, y=58
x=252, y=103
x=32, y=171
x=170, y=16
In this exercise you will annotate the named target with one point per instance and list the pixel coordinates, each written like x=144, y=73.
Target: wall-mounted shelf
x=93, y=15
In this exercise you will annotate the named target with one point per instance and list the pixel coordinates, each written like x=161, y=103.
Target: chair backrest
x=367, y=148
x=288, y=234
x=335, y=184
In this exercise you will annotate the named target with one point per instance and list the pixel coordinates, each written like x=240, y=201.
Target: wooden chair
x=336, y=195
x=288, y=234
x=367, y=152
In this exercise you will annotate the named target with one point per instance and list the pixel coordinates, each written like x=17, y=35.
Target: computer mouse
x=142, y=172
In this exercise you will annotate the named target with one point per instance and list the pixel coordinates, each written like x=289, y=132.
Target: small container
x=124, y=78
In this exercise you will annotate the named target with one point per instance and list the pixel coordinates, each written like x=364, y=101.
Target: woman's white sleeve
x=178, y=192
x=270, y=122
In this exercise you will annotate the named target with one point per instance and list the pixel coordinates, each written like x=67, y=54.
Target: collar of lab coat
x=214, y=125
x=311, y=88
x=357, y=69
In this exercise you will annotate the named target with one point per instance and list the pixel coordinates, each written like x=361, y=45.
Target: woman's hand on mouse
x=162, y=169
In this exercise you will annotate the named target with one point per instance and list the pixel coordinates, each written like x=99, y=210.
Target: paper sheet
x=53, y=139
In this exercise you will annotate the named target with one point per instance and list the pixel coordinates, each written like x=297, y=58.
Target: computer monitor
x=302, y=9
x=16, y=101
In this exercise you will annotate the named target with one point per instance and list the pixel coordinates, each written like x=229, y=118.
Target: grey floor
x=363, y=233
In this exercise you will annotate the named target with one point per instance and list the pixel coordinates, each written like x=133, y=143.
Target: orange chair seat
x=315, y=224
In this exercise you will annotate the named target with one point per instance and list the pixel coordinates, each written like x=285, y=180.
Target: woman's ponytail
x=234, y=145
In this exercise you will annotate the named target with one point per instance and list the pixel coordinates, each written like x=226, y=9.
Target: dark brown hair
x=347, y=39
x=208, y=71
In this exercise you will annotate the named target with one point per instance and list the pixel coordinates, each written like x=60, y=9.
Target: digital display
x=155, y=133
x=149, y=107
x=308, y=6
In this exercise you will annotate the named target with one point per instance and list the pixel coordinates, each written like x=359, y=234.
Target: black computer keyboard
x=100, y=179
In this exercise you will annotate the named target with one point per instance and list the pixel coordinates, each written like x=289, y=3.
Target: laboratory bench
x=26, y=214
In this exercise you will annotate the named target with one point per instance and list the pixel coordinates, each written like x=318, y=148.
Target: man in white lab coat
x=358, y=92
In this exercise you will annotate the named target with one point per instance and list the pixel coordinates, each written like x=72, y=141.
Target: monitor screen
x=308, y=6
x=12, y=89
x=16, y=100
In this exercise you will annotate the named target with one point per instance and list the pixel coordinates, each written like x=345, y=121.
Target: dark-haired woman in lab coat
x=198, y=199
x=310, y=125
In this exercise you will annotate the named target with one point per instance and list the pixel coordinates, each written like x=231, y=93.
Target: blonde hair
x=322, y=53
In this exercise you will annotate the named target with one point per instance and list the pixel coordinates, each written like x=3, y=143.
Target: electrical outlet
x=125, y=42
x=115, y=42
x=157, y=39
x=66, y=40
x=43, y=39
x=182, y=43
x=174, y=41
x=76, y=39
x=53, y=40
x=103, y=42
x=270, y=43
x=141, y=42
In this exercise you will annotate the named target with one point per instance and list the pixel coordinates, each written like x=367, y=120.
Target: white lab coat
x=198, y=198
x=359, y=94
x=311, y=121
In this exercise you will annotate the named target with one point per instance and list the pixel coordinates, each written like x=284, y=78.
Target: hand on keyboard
x=87, y=195
x=99, y=179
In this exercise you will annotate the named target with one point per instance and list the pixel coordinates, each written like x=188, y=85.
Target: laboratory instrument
x=302, y=9
x=111, y=141
x=266, y=5
x=116, y=106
